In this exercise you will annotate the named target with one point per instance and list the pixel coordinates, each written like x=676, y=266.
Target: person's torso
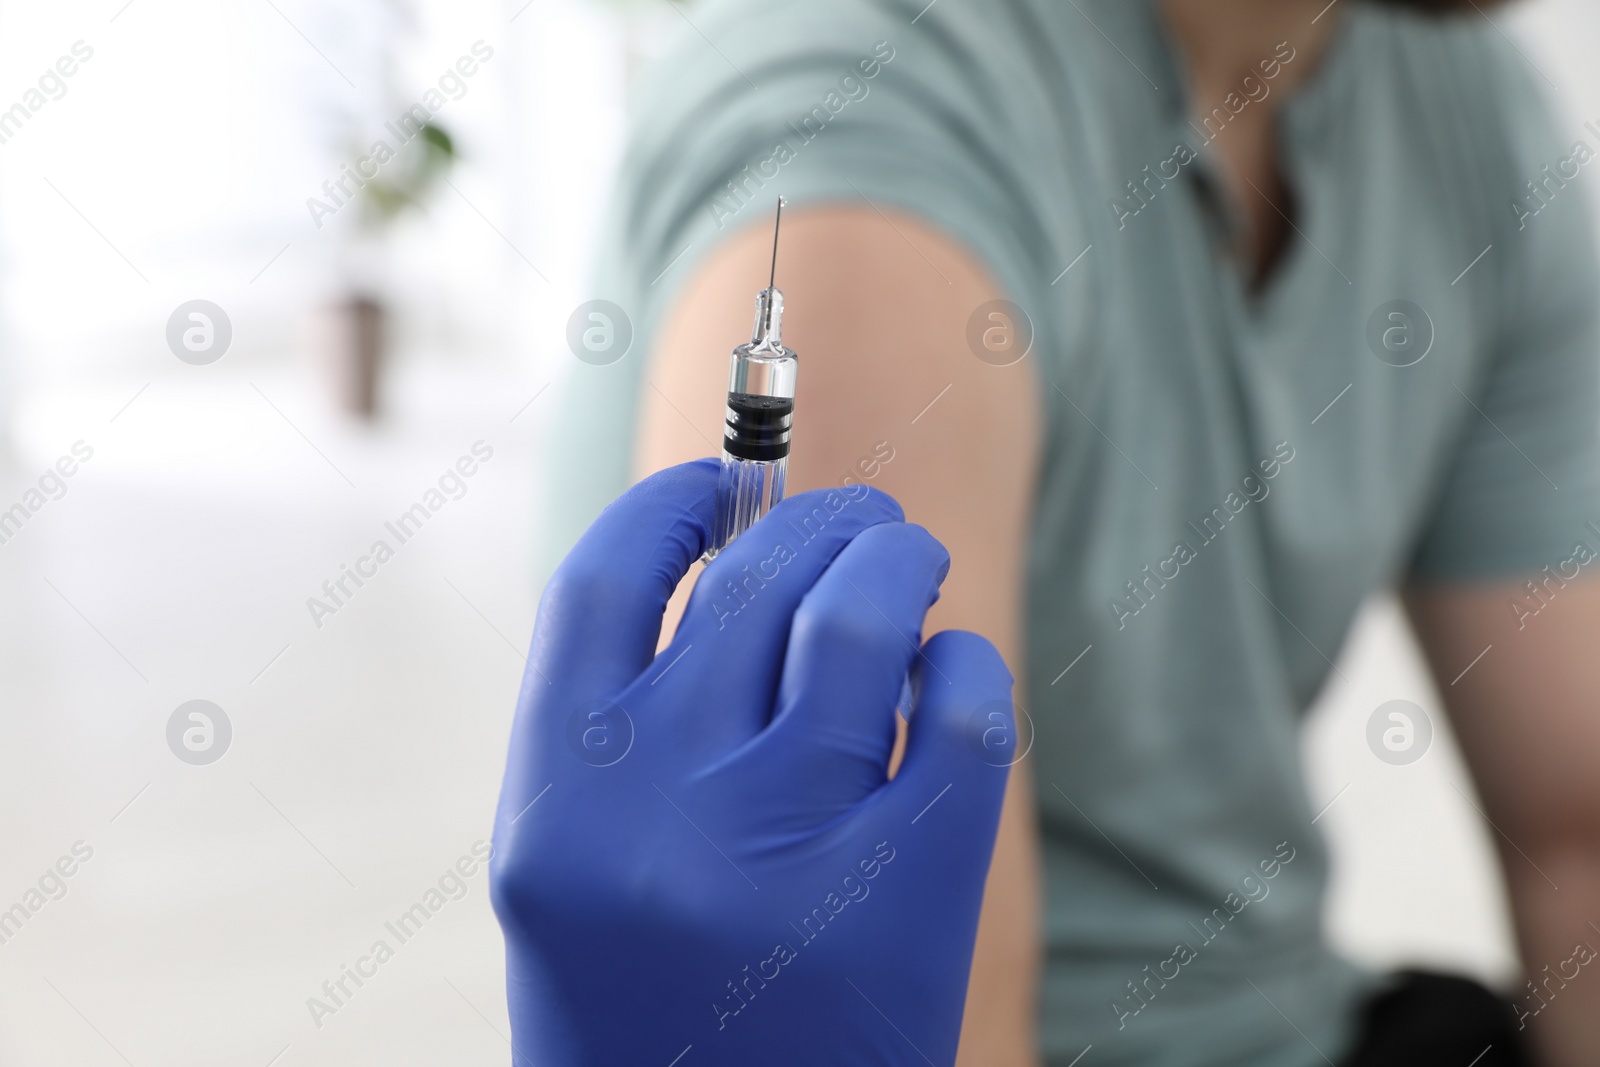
x=1225, y=475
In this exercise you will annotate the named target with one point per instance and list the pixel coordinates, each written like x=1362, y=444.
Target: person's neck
x=1255, y=53
x=1225, y=41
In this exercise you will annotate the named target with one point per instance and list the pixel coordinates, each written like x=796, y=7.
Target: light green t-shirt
x=1226, y=474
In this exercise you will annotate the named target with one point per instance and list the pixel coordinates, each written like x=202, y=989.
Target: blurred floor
x=365, y=755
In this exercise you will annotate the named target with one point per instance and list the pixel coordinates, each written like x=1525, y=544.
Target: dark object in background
x=353, y=342
x=355, y=334
x=1438, y=1020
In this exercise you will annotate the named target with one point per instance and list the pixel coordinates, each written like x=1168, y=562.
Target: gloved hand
x=699, y=858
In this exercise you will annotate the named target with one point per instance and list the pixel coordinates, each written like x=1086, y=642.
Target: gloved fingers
x=854, y=637
x=736, y=625
x=600, y=616
x=963, y=736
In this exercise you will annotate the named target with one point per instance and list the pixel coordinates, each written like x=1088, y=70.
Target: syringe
x=755, y=440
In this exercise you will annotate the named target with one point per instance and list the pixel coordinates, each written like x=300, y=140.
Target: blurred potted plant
x=358, y=320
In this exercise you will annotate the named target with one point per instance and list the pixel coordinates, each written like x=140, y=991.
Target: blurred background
x=357, y=347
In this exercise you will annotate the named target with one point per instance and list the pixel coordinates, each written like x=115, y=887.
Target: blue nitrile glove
x=699, y=858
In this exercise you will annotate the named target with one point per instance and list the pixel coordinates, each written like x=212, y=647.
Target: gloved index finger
x=739, y=615
x=855, y=636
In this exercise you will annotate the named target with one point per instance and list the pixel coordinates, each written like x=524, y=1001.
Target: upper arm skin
x=1528, y=713
x=1528, y=718
x=878, y=314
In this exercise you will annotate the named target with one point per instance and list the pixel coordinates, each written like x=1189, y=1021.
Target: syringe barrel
x=747, y=490
x=759, y=416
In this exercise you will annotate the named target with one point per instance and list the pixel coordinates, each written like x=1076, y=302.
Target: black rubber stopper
x=757, y=426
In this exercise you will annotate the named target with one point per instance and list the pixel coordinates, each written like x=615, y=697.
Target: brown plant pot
x=354, y=342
